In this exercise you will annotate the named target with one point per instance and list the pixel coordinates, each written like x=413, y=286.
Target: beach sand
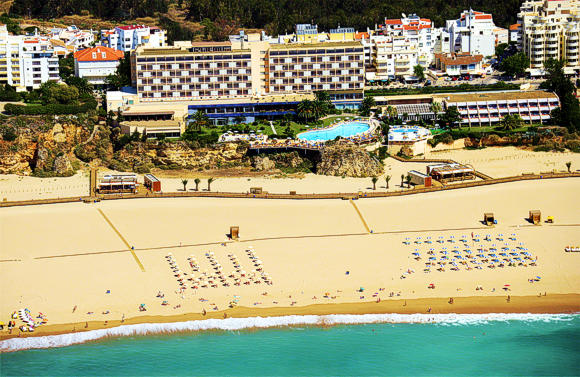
x=494, y=161
x=57, y=257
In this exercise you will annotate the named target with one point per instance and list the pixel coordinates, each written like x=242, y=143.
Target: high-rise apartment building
x=551, y=29
x=26, y=61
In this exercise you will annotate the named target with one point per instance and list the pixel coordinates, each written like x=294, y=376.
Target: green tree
x=568, y=113
x=511, y=122
x=184, y=182
x=391, y=112
x=419, y=71
x=374, y=180
x=305, y=110
x=515, y=65
x=209, y=182
x=367, y=104
x=569, y=165
x=408, y=179
x=66, y=67
x=450, y=117
x=500, y=49
x=402, y=179
x=435, y=107
x=387, y=179
x=197, y=181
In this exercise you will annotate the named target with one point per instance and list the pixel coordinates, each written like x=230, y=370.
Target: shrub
x=8, y=133
x=52, y=109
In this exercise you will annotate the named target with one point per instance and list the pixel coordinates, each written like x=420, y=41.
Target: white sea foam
x=230, y=324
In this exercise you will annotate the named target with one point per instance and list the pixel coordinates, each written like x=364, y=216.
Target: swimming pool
x=346, y=129
x=408, y=133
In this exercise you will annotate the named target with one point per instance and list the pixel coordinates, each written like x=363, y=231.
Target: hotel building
x=26, y=61
x=551, y=29
x=249, y=77
x=478, y=109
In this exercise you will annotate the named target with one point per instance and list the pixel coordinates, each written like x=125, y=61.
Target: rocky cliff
x=343, y=159
x=44, y=146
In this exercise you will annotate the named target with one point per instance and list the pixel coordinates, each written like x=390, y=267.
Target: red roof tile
x=86, y=55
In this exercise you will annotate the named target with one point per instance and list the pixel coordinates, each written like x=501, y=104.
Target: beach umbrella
x=539, y=278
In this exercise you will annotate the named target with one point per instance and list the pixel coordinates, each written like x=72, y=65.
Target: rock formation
x=344, y=159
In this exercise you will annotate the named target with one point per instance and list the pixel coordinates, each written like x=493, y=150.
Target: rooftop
x=458, y=59
x=495, y=96
x=99, y=53
x=290, y=46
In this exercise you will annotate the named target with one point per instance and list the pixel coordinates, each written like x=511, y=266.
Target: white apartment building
x=473, y=33
x=394, y=56
x=95, y=64
x=515, y=35
x=551, y=29
x=418, y=31
x=129, y=37
x=26, y=61
x=72, y=36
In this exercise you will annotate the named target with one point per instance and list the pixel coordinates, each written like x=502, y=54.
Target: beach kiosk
x=535, y=216
x=152, y=183
x=488, y=218
x=234, y=232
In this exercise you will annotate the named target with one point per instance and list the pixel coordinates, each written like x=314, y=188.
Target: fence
x=242, y=195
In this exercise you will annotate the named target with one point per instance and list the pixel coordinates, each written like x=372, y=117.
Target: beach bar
x=118, y=183
x=152, y=183
x=450, y=172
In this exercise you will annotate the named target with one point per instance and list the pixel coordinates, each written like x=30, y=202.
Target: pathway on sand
x=360, y=215
x=122, y=239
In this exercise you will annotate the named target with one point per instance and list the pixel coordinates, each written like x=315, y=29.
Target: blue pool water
x=488, y=348
x=343, y=130
x=404, y=129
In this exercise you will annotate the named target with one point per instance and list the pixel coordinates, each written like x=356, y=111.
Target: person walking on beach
x=509, y=298
x=74, y=309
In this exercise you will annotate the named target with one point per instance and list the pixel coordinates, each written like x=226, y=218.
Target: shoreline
x=549, y=304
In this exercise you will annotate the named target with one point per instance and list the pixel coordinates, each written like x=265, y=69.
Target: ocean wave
x=232, y=324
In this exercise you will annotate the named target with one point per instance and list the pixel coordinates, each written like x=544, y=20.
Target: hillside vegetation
x=215, y=18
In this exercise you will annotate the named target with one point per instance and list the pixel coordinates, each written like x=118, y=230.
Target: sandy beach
x=91, y=263
x=496, y=162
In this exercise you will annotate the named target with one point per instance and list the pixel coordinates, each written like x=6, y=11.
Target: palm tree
x=408, y=179
x=374, y=179
x=305, y=109
x=391, y=112
x=568, y=165
x=435, y=108
x=209, y=181
x=387, y=179
x=198, y=120
x=197, y=181
x=402, y=179
x=184, y=182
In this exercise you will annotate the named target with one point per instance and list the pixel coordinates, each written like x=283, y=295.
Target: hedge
x=53, y=109
x=442, y=89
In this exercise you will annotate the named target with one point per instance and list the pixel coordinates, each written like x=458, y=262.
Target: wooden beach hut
x=535, y=216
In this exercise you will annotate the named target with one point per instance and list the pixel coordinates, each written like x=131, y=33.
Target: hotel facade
x=249, y=77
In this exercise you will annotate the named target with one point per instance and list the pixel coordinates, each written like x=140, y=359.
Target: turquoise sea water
x=343, y=130
x=498, y=348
